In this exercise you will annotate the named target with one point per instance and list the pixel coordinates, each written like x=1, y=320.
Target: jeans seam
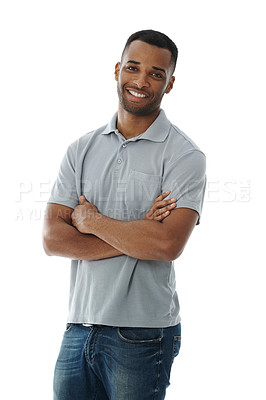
x=96, y=393
x=159, y=368
x=87, y=348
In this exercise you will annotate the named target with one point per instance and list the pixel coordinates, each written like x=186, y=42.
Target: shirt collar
x=157, y=132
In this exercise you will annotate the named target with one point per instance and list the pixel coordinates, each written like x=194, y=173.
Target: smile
x=137, y=94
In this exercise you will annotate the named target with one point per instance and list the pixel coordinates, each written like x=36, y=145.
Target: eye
x=131, y=68
x=156, y=75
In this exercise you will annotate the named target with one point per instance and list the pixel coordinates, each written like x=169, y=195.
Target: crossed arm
x=86, y=234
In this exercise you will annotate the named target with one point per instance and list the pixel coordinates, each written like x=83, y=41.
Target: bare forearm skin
x=63, y=240
x=143, y=239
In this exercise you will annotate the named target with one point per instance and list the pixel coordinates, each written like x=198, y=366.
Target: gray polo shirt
x=122, y=178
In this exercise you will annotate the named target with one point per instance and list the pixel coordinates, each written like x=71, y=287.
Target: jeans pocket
x=176, y=346
x=68, y=328
x=140, y=335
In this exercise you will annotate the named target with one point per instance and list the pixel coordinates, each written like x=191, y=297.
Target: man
x=123, y=327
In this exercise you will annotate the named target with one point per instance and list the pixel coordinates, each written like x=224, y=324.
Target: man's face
x=143, y=77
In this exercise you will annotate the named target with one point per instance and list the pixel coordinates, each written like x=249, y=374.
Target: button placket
x=119, y=159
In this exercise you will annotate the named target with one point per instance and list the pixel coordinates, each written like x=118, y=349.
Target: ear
x=170, y=85
x=117, y=70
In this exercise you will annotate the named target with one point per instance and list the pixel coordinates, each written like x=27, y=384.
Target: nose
x=141, y=80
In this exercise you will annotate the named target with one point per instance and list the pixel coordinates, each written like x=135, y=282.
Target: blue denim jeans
x=113, y=363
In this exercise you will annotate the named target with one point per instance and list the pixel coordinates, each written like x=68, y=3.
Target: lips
x=136, y=94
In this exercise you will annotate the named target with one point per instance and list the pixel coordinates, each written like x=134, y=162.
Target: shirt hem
x=125, y=324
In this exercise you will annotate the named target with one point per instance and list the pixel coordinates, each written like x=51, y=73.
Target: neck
x=133, y=125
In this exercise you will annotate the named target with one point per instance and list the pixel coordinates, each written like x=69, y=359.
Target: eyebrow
x=159, y=69
x=138, y=63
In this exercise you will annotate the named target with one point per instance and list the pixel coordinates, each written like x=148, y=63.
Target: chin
x=139, y=111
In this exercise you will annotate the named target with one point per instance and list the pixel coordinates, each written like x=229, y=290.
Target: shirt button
x=119, y=161
x=124, y=145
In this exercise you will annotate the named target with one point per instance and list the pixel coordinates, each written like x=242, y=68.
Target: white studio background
x=57, y=83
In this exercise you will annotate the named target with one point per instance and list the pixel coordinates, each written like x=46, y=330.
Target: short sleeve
x=64, y=190
x=186, y=178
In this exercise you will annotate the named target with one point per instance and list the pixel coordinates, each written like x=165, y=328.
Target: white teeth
x=136, y=94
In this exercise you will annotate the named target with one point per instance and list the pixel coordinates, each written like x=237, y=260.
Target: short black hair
x=154, y=38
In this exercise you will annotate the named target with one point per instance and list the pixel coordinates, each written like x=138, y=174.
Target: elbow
x=47, y=242
x=174, y=255
x=171, y=251
x=47, y=246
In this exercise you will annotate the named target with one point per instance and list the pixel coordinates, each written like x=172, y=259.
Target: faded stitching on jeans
x=96, y=393
x=95, y=343
x=159, y=363
x=148, y=341
x=87, y=348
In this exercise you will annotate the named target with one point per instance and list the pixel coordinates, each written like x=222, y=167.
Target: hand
x=161, y=208
x=84, y=215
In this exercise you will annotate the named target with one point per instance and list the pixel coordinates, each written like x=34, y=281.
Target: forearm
x=146, y=239
x=64, y=240
x=143, y=239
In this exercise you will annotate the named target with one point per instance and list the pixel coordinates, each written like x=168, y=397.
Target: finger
x=162, y=196
x=83, y=199
x=149, y=214
x=160, y=202
x=165, y=203
x=162, y=216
